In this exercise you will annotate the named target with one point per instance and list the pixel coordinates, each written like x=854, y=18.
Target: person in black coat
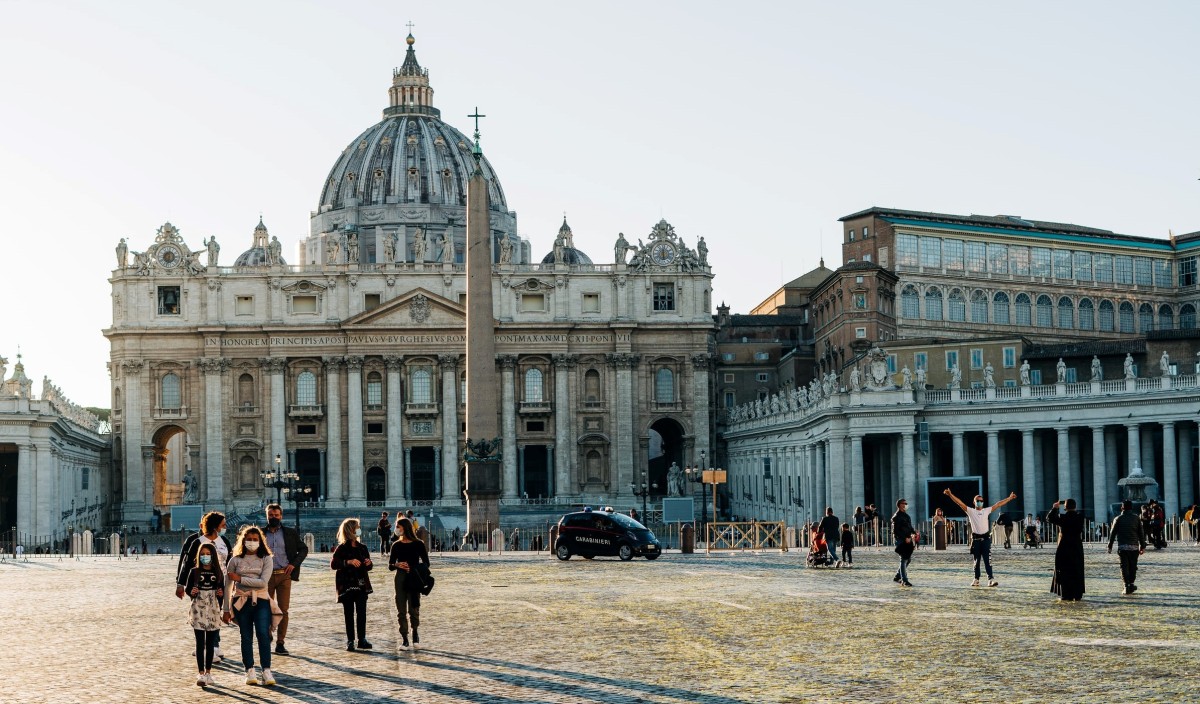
x=906, y=540
x=410, y=560
x=352, y=561
x=1068, y=558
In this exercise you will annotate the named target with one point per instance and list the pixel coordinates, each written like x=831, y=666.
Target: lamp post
x=299, y=494
x=643, y=490
x=278, y=479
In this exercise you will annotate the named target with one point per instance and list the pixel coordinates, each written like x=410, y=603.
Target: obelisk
x=481, y=454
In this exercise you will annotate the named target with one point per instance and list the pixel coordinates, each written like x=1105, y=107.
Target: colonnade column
x=1149, y=466
x=1187, y=485
x=838, y=495
x=1029, y=478
x=822, y=492
x=508, y=423
x=450, y=488
x=25, y=488
x=919, y=500
x=45, y=509
x=1111, y=465
x=134, y=489
x=908, y=472
x=214, y=464
x=994, y=480
x=275, y=367
x=396, y=466
x=333, y=426
x=562, y=424
x=1100, y=487
x=956, y=462
x=1170, y=472
x=856, y=478
x=1134, y=447
x=1064, y=464
x=354, y=432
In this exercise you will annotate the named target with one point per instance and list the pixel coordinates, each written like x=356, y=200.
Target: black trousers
x=1129, y=560
x=206, y=643
x=354, y=608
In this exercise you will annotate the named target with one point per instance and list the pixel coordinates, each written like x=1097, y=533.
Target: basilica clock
x=168, y=256
x=662, y=253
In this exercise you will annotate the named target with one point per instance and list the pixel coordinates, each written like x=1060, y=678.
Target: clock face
x=662, y=254
x=169, y=256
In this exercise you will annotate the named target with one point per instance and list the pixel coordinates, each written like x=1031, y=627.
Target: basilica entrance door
x=308, y=466
x=8, y=487
x=376, y=486
x=170, y=466
x=666, y=446
x=537, y=472
x=422, y=474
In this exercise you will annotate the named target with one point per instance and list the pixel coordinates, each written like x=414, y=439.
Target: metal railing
x=747, y=535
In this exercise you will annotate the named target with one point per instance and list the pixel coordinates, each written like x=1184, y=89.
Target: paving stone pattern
x=686, y=628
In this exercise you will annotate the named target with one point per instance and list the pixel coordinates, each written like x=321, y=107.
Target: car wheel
x=652, y=556
x=625, y=552
x=563, y=552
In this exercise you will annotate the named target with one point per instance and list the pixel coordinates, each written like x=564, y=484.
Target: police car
x=589, y=533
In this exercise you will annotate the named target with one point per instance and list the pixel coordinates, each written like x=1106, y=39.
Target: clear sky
x=756, y=125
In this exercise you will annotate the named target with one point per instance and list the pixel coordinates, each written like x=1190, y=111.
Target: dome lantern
x=410, y=93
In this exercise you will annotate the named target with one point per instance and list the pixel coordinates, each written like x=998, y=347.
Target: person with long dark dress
x=1068, y=558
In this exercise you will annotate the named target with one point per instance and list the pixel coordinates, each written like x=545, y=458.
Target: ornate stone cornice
x=507, y=362
x=393, y=362
x=447, y=361
x=213, y=365
x=132, y=366
x=354, y=363
x=565, y=361
x=702, y=362
x=624, y=361
x=332, y=364
x=274, y=365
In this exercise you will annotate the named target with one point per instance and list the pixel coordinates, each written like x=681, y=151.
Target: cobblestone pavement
x=686, y=628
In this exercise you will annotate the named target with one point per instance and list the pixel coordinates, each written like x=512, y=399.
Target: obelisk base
x=483, y=498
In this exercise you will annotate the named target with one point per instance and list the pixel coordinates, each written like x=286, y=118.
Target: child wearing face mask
x=247, y=574
x=206, y=585
x=981, y=534
x=352, y=561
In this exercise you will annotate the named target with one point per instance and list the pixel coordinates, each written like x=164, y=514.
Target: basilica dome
x=259, y=253
x=564, y=248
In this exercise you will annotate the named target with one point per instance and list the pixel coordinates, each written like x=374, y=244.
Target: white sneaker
x=837, y=564
x=975, y=583
x=268, y=678
x=201, y=680
x=251, y=676
x=218, y=656
x=993, y=583
x=208, y=678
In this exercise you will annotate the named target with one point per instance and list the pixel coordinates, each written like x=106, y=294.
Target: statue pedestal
x=483, y=497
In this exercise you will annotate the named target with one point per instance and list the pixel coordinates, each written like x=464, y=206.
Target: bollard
x=687, y=539
x=553, y=539
x=497, y=539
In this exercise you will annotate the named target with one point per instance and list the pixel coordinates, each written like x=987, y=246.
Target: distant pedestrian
x=1004, y=520
x=981, y=532
x=1068, y=580
x=873, y=522
x=860, y=523
x=145, y=548
x=246, y=598
x=384, y=529
x=352, y=561
x=847, y=544
x=906, y=540
x=413, y=519
x=206, y=586
x=831, y=528
x=1127, y=533
x=407, y=558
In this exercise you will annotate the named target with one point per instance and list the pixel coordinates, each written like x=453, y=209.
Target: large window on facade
x=245, y=390
x=997, y=258
x=1145, y=317
x=951, y=359
x=1102, y=268
x=910, y=303
x=1066, y=313
x=921, y=360
x=1187, y=271
x=931, y=252
x=1045, y=312
x=952, y=253
x=957, y=307
x=1018, y=258
x=1143, y=274
x=664, y=386
x=1039, y=264
x=422, y=386
x=1162, y=273
x=1126, y=317
x=933, y=303
x=1187, y=317
x=1124, y=268
x=1083, y=266
x=1087, y=315
x=1062, y=264
x=168, y=300
x=664, y=296
x=171, y=395
x=975, y=254
x=1010, y=357
x=1023, y=310
x=374, y=389
x=534, y=389
x=906, y=250
x=306, y=389
x=1107, y=316
x=1166, y=318
x=591, y=387
x=979, y=306
x=1000, y=308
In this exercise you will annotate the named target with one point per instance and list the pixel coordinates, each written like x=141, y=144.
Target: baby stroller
x=1031, y=538
x=819, y=554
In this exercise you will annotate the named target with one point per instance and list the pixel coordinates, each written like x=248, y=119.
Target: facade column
x=322, y=477
x=858, y=481
x=957, y=466
x=562, y=426
x=924, y=468
x=397, y=468
x=1187, y=485
x=1029, y=477
x=1075, y=473
x=1134, y=448
x=624, y=364
x=25, y=489
x=508, y=424
x=1170, y=471
x=275, y=369
x=437, y=470
x=1111, y=466
x=214, y=465
x=550, y=471
x=701, y=431
x=1149, y=465
x=995, y=484
x=408, y=491
x=521, y=470
x=1100, y=488
x=822, y=495
x=908, y=472
x=450, y=488
x=355, y=470
x=45, y=516
x=839, y=495
x=1064, y=464
x=334, y=481
x=134, y=490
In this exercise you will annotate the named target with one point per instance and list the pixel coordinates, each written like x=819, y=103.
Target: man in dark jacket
x=906, y=540
x=1127, y=533
x=288, y=552
x=831, y=528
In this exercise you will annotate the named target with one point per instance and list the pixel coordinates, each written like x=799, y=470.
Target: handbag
x=425, y=578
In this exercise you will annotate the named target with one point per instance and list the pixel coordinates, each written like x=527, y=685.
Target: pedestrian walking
x=860, y=523
x=1068, y=580
x=906, y=539
x=847, y=544
x=1004, y=520
x=212, y=532
x=246, y=599
x=831, y=528
x=352, y=561
x=981, y=532
x=939, y=530
x=413, y=519
x=410, y=561
x=1127, y=533
x=288, y=551
x=385, y=534
x=206, y=586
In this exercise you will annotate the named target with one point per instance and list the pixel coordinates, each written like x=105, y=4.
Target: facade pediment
x=305, y=286
x=417, y=308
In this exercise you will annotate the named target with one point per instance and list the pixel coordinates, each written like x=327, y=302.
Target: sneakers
x=993, y=583
x=363, y=645
x=209, y=679
x=975, y=583
x=906, y=583
x=350, y=646
x=837, y=564
x=404, y=642
x=268, y=678
x=280, y=649
x=201, y=680
x=251, y=676
x=416, y=639
x=218, y=656
x=896, y=579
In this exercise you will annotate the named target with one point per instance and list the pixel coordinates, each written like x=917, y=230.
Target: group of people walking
x=250, y=580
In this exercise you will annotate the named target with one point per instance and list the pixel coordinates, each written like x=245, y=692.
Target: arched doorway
x=376, y=486
x=170, y=466
x=665, y=447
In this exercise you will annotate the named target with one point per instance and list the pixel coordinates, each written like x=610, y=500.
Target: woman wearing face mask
x=352, y=561
x=981, y=533
x=212, y=532
x=246, y=577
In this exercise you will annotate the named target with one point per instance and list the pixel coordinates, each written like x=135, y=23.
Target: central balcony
x=535, y=408
x=306, y=411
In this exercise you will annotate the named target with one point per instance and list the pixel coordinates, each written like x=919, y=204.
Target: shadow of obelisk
x=481, y=454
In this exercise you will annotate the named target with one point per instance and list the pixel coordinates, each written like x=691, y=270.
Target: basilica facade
x=347, y=366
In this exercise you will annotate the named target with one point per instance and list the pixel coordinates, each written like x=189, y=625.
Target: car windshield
x=626, y=522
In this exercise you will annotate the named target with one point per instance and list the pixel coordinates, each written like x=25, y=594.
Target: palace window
x=533, y=386
x=1162, y=272
x=1066, y=313
x=421, y=386
x=921, y=360
x=306, y=389
x=84, y=479
x=1124, y=267
x=1010, y=357
x=1083, y=266
x=976, y=256
x=979, y=306
x=933, y=304
x=1045, y=312
x=1039, y=264
x=976, y=358
x=730, y=399
x=931, y=252
x=1087, y=315
x=1102, y=268
x=168, y=300
x=1018, y=258
x=664, y=297
x=860, y=333
x=1166, y=318
x=891, y=362
x=997, y=258
x=1035, y=377
x=1024, y=317
x=1187, y=271
x=170, y=393
x=1126, y=317
x=1000, y=308
x=910, y=303
x=1145, y=317
x=851, y=234
x=1143, y=273
x=1107, y=317
x=374, y=390
x=951, y=359
x=906, y=250
x=1187, y=317
x=1062, y=264
x=958, y=306
x=664, y=386
x=952, y=250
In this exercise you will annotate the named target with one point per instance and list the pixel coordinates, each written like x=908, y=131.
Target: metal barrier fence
x=748, y=535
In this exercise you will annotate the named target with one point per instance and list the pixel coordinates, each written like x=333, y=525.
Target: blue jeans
x=254, y=619
x=981, y=549
x=905, y=550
